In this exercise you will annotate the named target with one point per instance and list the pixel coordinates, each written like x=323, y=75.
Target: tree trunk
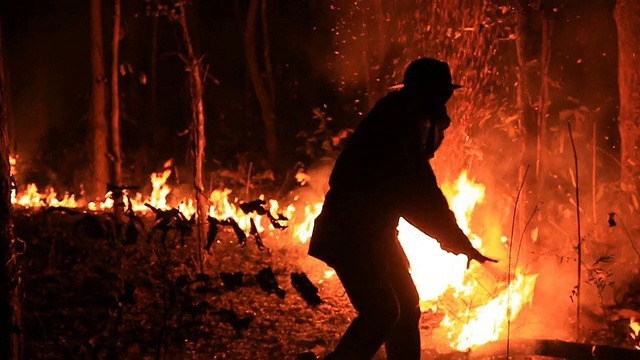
x=267, y=52
x=529, y=53
x=116, y=152
x=10, y=322
x=153, y=79
x=627, y=15
x=98, y=116
x=196, y=88
x=266, y=105
x=543, y=101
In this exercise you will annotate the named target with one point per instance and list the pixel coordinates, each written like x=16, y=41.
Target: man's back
x=368, y=184
x=376, y=155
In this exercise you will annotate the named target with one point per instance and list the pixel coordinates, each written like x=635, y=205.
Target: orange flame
x=466, y=327
x=304, y=230
x=635, y=330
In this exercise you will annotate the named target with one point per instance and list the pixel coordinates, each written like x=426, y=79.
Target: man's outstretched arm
x=426, y=208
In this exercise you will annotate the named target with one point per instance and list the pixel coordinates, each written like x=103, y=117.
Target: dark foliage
x=128, y=294
x=232, y=281
x=212, y=233
x=239, y=323
x=134, y=226
x=307, y=290
x=267, y=281
x=242, y=237
x=171, y=219
x=93, y=226
x=256, y=206
x=256, y=234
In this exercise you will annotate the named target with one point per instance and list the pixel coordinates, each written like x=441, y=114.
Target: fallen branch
x=554, y=349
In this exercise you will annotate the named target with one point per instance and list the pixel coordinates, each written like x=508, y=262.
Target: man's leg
x=373, y=297
x=404, y=341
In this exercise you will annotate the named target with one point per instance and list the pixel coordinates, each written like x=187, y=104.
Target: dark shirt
x=382, y=174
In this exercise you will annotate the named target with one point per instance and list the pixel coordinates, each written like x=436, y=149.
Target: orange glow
x=30, y=197
x=304, y=230
x=488, y=322
x=472, y=315
x=160, y=189
x=457, y=286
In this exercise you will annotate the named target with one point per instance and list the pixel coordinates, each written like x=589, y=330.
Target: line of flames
x=450, y=290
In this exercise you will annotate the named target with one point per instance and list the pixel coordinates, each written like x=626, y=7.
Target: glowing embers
x=474, y=315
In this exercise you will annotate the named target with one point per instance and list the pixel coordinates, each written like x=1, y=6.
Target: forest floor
x=86, y=295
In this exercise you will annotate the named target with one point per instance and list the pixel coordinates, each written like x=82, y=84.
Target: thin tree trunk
x=627, y=15
x=197, y=129
x=115, y=115
x=266, y=106
x=543, y=100
x=528, y=51
x=267, y=53
x=153, y=77
x=99, y=124
x=8, y=111
x=10, y=311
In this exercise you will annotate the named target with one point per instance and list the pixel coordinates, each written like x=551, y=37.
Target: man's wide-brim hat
x=428, y=73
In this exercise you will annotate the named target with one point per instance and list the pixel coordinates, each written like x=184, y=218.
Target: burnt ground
x=86, y=294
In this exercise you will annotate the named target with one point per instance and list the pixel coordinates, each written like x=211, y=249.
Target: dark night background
x=47, y=52
x=316, y=64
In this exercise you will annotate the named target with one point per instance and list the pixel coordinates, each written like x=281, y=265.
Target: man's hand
x=477, y=256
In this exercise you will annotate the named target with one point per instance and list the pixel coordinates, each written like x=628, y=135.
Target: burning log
x=553, y=348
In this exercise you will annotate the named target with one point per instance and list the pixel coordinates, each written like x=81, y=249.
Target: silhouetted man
x=383, y=174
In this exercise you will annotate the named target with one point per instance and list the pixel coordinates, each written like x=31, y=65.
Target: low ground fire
x=476, y=304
